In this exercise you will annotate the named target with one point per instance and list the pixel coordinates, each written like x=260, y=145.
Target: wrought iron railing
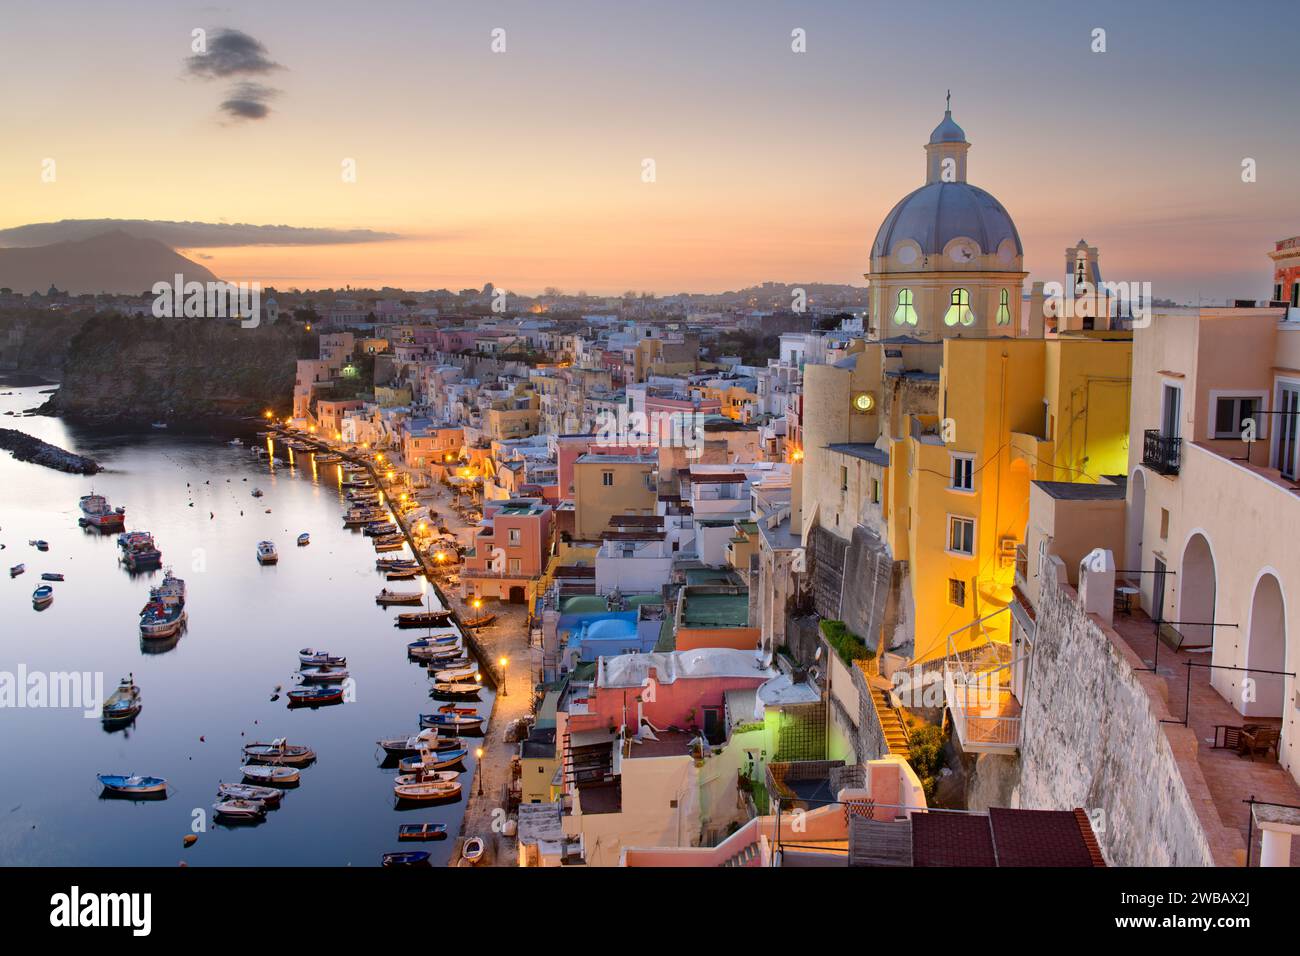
x=1160, y=452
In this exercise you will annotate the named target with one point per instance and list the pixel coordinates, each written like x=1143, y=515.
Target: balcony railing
x=1161, y=453
x=1022, y=565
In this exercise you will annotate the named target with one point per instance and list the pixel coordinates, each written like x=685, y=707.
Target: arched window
x=959, y=311
x=905, y=314
x=1004, y=308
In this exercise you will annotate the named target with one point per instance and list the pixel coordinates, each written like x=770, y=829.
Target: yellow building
x=608, y=485
x=929, y=432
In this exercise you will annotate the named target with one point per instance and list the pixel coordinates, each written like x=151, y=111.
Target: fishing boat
x=164, y=614
x=453, y=723
x=453, y=674
x=97, y=513
x=266, y=553
x=311, y=656
x=315, y=696
x=279, y=751
x=138, y=550
x=133, y=785
x=17, y=569
x=427, y=760
x=396, y=543
x=324, y=674
x=421, y=831
x=43, y=597
x=472, y=850
x=124, y=703
x=256, y=492
x=40, y=545
x=304, y=539
x=458, y=690
x=483, y=620
x=389, y=564
x=386, y=597
x=435, y=775
x=51, y=576
x=406, y=858
x=414, y=743
x=328, y=459
x=239, y=810
x=448, y=656
x=267, y=796
x=448, y=638
x=235, y=443
x=423, y=618
x=427, y=790
x=403, y=574
x=279, y=776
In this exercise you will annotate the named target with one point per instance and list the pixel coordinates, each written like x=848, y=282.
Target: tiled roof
x=1039, y=838
x=952, y=839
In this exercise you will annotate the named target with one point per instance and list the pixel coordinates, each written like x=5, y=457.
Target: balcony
x=1161, y=453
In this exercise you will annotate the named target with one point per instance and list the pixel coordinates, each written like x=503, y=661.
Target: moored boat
x=138, y=550
x=51, y=576
x=267, y=796
x=97, y=513
x=124, y=703
x=433, y=775
x=304, y=539
x=427, y=790
x=386, y=597
x=315, y=696
x=310, y=655
x=239, y=810
x=421, y=831
x=414, y=743
x=267, y=774
x=324, y=674
x=17, y=569
x=164, y=614
x=426, y=760
x=279, y=751
x=472, y=850
x=458, y=690
x=453, y=723
x=43, y=597
x=131, y=784
x=454, y=674
x=266, y=553
x=406, y=858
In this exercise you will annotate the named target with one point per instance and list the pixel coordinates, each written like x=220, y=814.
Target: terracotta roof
x=952, y=839
x=1040, y=837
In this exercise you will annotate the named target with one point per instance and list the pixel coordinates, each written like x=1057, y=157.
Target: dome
x=948, y=131
x=939, y=212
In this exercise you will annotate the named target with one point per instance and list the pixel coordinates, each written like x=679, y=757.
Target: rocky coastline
x=24, y=447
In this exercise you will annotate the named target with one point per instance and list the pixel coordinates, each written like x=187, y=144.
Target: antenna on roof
x=948, y=105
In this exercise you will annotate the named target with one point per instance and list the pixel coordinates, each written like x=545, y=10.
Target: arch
x=517, y=594
x=1266, y=647
x=1137, y=509
x=905, y=313
x=1004, y=307
x=1197, y=584
x=959, y=311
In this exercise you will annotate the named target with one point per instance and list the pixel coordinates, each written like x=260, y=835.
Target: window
x=963, y=473
x=905, y=314
x=844, y=478
x=1004, y=308
x=1231, y=411
x=961, y=535
x=607, y=478
x=1164, y=524
x=514, y=565
x=957, y=592
x=959, y=310
x=1169, y=421
x=875, y=491
x=515, y=536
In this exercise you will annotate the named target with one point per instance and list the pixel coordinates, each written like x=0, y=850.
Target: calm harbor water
x=210, y=693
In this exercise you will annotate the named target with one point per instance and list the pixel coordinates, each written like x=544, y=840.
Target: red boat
x=96, y=513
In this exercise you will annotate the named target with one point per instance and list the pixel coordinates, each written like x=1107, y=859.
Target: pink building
x=510, y=550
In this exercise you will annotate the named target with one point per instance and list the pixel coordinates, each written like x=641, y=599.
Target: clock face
x=963, y=252
x=864, y=402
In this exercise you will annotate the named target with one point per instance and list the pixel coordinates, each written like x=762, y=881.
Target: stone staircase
x=890, y=723
x=745, y=857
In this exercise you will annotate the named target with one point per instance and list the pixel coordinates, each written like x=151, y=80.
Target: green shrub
x=925, y=754
x=848, y=645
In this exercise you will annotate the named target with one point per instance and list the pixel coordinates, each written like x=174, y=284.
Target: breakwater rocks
x=26, y=448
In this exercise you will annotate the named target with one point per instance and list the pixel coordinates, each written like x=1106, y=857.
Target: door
x=1288, y=407
x=1169, y=422
x=1158, y=591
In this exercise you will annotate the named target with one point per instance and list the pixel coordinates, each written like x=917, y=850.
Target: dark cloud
x=187, y=235
x=248, y=101
x=231, y=53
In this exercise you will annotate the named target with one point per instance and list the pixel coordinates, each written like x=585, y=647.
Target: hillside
x=114, y=261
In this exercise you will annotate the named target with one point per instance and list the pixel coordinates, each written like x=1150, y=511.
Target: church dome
x=948, y=131
x=939, y=212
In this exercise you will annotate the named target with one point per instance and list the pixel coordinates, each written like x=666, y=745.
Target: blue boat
x=130, y=784
x=42, y=597
x=407, y=858
x=453, y=723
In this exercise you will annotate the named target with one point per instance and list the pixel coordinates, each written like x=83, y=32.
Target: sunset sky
x=524, y=168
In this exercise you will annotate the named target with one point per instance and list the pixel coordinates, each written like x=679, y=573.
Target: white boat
x=304, y=539
x=453, y=675
x=263, y=773
x=159, y=425
x=436, y=776
x=239, y=810
x=324, y=674
x=97, y=513
x=472, y=850
x=427, y=761
x=235, y=443
x=17, y=569
x=427, y=790
x=309, y=655
x=133, y=784
x=266, y=553
x=408, y=743
x=387, y=597
x=246, y=791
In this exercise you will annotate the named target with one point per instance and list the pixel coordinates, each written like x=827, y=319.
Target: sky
x=525, y=167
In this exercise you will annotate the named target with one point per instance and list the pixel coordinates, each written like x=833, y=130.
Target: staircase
x=890, y=723
x=745, y=857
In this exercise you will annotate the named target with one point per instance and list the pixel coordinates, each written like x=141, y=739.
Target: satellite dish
x=818, y=656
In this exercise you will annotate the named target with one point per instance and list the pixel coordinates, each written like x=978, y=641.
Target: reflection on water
x=218, y=684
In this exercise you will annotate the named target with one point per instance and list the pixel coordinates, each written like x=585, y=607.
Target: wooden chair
x=1260, y=740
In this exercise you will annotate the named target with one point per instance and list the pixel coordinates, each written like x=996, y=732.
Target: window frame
x=1259, y=396
x=905, y=312
x=969, y=459
x=959, y=300
x=1004, y=307
x=948, y=545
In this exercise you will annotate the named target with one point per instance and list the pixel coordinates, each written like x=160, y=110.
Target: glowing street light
x=478, y=755
x=504, y=662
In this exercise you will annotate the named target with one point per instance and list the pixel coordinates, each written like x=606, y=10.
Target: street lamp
x=504, y=662
x=478, y=755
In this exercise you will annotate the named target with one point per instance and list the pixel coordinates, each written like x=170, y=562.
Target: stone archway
x=1133, y=531
x=1197, y=583
x=1266, y=649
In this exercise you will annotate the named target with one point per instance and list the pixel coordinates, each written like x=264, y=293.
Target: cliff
x=127, y=370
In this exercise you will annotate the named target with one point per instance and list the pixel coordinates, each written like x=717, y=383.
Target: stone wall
x=1092, y=738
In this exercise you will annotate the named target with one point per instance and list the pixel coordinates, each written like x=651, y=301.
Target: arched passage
x=1266, y=649
x=1196, y=591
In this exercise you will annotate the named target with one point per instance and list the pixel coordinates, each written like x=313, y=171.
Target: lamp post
x=478, y=755
x=505, y=689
